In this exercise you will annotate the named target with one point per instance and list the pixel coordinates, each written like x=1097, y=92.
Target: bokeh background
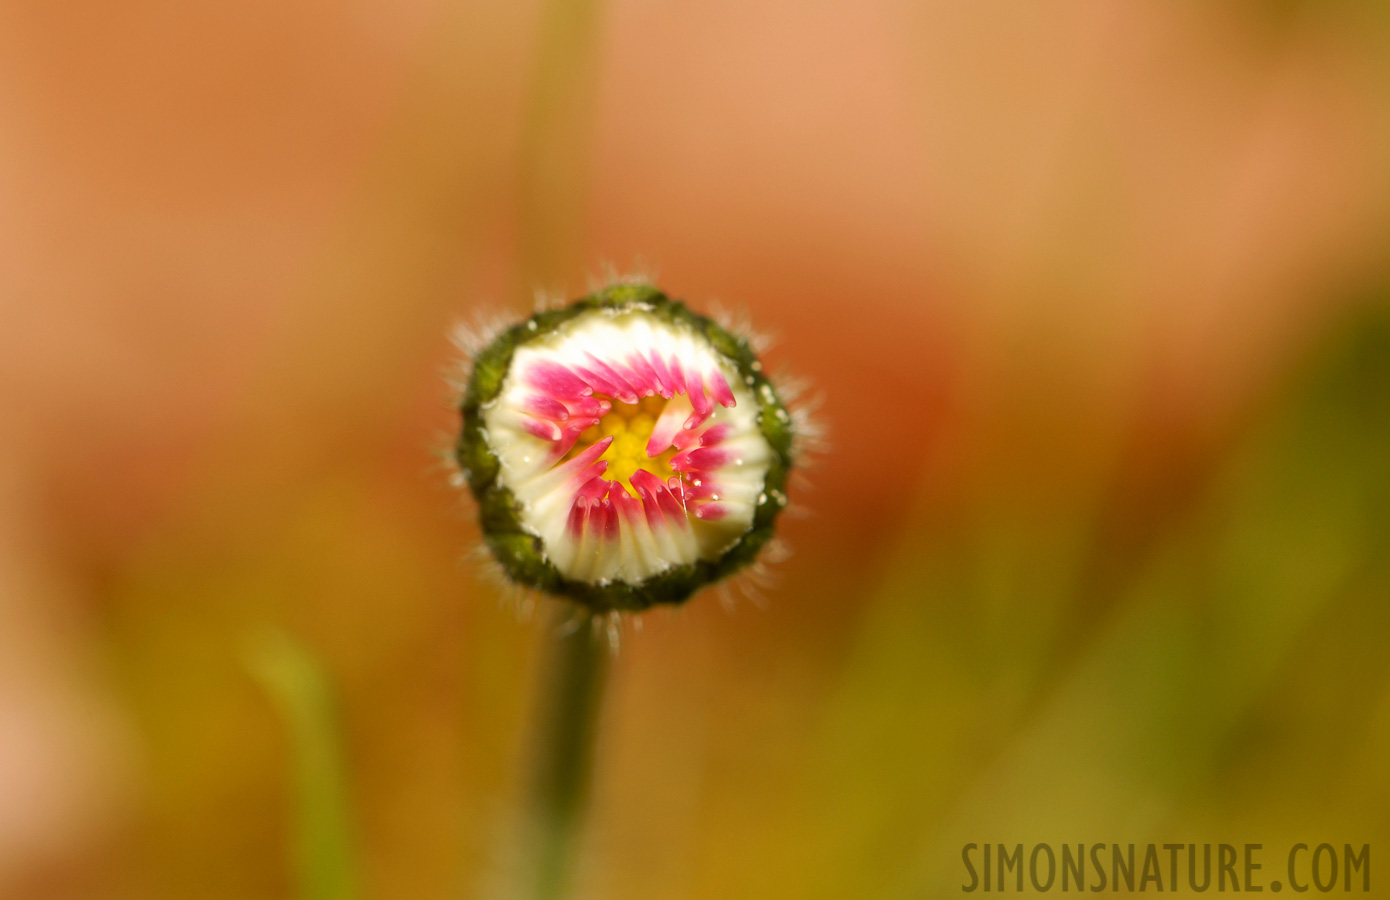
x=1093, y=297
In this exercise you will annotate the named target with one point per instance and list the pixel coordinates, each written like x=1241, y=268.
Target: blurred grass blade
x=555, y=142
x=300, y=689
x=1173, y=698
x=998, y=692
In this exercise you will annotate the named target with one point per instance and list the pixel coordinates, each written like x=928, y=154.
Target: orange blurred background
x=1055, y=273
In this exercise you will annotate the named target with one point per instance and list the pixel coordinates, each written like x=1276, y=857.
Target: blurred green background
x=1095, y=300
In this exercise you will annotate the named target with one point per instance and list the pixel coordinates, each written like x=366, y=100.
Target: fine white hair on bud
x=624, y=451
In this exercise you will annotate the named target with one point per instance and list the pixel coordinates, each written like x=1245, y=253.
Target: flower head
x=624, y=451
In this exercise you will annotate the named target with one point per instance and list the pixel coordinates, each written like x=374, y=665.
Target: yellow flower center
x=630, y=425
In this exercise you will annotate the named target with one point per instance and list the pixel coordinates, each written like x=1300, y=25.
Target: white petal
x=624, y=355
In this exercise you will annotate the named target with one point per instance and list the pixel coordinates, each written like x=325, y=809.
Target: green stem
x=563, y=755
x=554, y=158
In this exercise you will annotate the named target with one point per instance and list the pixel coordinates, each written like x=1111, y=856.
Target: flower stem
x=568, y=723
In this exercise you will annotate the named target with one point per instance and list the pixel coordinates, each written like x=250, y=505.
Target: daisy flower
x=624, y=451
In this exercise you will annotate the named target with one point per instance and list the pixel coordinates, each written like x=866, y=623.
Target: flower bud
x=623, y=450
